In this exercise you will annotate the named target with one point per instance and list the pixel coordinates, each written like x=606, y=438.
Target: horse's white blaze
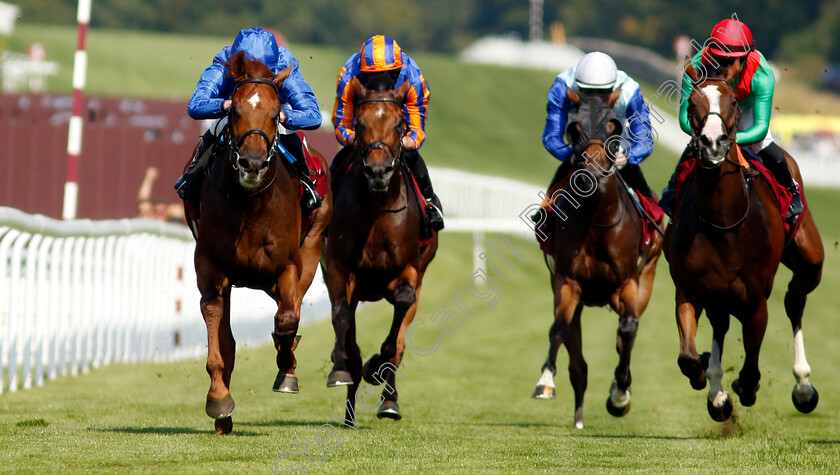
x=714, y=125
x=801, y=370
x=254, y=100
x=714, y=374
x=547, y=379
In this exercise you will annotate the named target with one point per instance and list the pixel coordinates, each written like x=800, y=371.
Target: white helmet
x=596, y=70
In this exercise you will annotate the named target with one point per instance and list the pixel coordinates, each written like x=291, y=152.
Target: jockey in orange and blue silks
x=381, y=63
x=596, y=73
x=211, y=100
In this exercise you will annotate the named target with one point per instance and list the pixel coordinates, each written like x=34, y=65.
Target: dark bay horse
x=596, y=261
x=250, y=233
x=724, y=246
x=373, y=250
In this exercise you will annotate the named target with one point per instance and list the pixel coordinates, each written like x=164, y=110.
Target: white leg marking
x=547, y=379
x=801, y=370
x=619, y=398
x=254, y=100
x=579, y=425
x=714, y=374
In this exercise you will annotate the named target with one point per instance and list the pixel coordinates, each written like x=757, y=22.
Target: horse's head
x=713, y=113
x=594, y=133
x=253, y=118
x=380, y=127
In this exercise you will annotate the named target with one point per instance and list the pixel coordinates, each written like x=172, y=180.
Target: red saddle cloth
x=783, y=197
x=650, y=206
x=316, y=169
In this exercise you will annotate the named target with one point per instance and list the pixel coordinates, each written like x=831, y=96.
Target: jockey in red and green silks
x=730, y=49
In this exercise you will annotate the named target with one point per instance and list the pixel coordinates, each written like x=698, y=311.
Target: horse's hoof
x=747, y=399
x=339, y=377
x=221, y=408
x=544, y=392
x=285, y=383
x=224, y=426
x=618, y=402
x=617, y=411
x=720, y=411
x=371, y=368
x=805, y=402
x=389, y=409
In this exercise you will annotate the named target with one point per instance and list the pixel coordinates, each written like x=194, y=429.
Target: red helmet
x=731, y=39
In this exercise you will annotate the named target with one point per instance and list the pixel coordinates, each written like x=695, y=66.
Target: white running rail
x=76, y=295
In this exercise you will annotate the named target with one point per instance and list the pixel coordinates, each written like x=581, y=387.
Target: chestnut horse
x=597, y=237
x=250, y=234
x=724, y=247
x=373, y=250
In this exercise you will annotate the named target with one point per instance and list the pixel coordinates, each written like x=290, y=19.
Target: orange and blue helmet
x=380, y=53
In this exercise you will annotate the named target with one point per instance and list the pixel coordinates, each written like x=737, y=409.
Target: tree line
x=782, y=29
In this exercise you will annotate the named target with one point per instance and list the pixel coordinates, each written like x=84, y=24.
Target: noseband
x=729, y=136
x=235, y=145
x=392, y=154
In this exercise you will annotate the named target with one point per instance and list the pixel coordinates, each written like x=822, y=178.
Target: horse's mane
x=242, y=66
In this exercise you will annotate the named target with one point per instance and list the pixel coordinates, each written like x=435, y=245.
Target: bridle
x=234, y=144
x=728, y=141
x=391, y=153
x=729, y=135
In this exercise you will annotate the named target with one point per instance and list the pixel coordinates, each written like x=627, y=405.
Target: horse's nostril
x=243, y=163
x=264, y=165
x=705, y=140
x=368, y=171
x=389, y=170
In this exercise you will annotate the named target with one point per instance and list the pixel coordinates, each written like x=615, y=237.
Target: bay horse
x=374, y=247
x=250, y=233
x=724, y=246
x=596, y=258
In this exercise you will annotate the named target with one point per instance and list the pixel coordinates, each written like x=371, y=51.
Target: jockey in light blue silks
x=211, y=100
x=596, y=73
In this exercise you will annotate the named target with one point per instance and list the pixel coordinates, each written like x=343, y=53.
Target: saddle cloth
x=685, y=172
x=649, y=205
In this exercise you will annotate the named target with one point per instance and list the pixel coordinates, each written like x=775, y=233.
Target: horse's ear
x=237, y=66
x=356, y=86
x=613, y=97
x=573, y=96
x=282, y=75
x=403, y=90
x=692, y=72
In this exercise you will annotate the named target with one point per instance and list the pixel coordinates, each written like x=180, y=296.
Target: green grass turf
x=467, y=406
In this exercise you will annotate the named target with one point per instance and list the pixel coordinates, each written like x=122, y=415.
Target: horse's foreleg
x=286, y=322
x=718, y=404
x=689, y=361
x=566, y=298
x=384, y=366
x=753, y=327
x=624, y=303
x=578, y=370
x=805, y=258
x=341, y=286
x=220, y=350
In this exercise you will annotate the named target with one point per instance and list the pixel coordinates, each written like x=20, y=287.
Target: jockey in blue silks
x=211, y=100
x=596, y=73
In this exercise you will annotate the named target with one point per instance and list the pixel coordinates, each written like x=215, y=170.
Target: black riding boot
x=634, y=177
x=774, y=159
x=189, y=184
x=668, y=200
x=310, y=200
x=434, y=215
